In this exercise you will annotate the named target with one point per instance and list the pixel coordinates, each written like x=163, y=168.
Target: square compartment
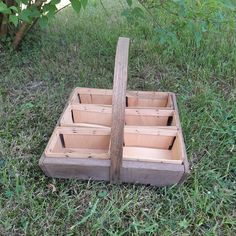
x=91, y=96
x=133, y=98
x=153, y=145
x=90, y=115
x=151, y=117
x=149, y=99
x=87, y=115
x=79, y=143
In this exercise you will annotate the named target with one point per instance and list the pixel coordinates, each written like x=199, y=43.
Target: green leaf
x=9, y=193
x=52, y=11
x=54, y=2
x=43, y=21
x=34, y=12
x=13, y=8
x=102, y=194
x=129, y=2
x=184, y=224
x=13, y=19
x=24, y=1
x=76, y=4
x=84, y=3
x=25, y=15
x=4, y=9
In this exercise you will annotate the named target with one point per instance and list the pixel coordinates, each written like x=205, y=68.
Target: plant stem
x=63, y=8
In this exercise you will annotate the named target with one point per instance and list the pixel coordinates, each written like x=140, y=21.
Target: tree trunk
x=24, y=27
x=4, y=26
x=20, y=34
x=1, y=16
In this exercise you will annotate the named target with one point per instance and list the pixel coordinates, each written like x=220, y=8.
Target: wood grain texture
x=158, y=174
x=118, y=108
x=185, y=159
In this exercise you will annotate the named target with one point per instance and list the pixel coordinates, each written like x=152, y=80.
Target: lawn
x=78, y=50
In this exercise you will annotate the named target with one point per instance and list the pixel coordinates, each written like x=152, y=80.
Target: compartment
x=149, y=117
x=153, y=145
x=79, y=142
x=91, y=96
x=87, y=115
x=149, y=99
x=98, y=115
x=133, y=98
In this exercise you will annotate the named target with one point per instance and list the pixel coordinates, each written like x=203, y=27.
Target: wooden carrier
x=118, y=135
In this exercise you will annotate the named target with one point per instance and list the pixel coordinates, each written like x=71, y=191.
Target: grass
x=79, y=51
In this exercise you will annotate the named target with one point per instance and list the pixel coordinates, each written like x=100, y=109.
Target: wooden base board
x=157, y=174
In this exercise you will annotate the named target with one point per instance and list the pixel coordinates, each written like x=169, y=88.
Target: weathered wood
x=183, y=149
x=91, y=96
x=157, y=174
x=118, y=108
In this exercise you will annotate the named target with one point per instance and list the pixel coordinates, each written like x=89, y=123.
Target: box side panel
x=83, y=169
x=186, y=163
x=156, y=174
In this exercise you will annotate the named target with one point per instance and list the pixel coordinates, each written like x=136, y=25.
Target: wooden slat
x=91, y=96
x=153, y=131
x=182, y=144
x=148, y=99
x=118, y=108
x=80, y=153
x=80, y=130
x=149, y=155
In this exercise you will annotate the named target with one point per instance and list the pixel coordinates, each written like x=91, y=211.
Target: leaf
x=4, y=9
x=13, y=19
x=9, y=193
x=43, y=21
x=54, y=2
x=34, y=12
x=13, y=8
x=24, y=1
x=27, y=106
x=52, y=187
x=51, y=15
x=184, y=224
x=102, y=194
x=51, y=11
x=25, y=15
x=129, y=2
x=76, y=4
x=84, y=3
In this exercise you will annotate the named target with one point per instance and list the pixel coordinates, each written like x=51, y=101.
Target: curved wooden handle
x=118, y=108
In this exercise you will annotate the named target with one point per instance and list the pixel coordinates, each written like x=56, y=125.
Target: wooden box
x=118, y=135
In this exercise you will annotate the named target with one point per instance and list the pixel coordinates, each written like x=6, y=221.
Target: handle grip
x=118, y=108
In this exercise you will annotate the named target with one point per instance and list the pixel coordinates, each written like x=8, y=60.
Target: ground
x=78, y=50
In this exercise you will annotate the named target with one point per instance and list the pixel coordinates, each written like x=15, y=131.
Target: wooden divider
x=118, y=108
